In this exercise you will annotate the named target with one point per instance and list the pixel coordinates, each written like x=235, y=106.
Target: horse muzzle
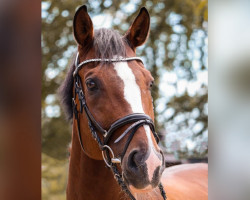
x=142, y=169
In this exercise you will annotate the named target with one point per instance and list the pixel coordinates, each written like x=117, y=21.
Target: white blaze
x=132, y=92
x=132, y=95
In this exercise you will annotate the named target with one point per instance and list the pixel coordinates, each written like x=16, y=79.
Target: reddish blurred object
x=20, y=94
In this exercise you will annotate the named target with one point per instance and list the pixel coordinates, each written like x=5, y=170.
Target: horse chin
x=140, y=191
x=141, y=184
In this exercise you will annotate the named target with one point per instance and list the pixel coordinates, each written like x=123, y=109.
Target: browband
x=118, y=59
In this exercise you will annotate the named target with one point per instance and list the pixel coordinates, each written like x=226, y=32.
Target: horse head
x=113, y=91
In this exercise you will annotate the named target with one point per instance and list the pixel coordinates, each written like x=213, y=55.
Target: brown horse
x=110, y=90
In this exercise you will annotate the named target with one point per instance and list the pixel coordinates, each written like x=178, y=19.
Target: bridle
x=137, y=120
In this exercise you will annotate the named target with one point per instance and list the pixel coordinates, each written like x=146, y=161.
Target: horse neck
x=88, y=178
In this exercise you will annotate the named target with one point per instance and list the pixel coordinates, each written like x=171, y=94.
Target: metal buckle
x=113, y=159
x=105, y=133
x=81, y=96
x=77, y=85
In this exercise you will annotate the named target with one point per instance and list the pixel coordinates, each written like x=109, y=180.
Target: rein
x=137, y=120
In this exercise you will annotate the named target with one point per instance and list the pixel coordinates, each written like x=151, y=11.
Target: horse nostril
x=131, y=160
x=143, y=167
x=136, y=159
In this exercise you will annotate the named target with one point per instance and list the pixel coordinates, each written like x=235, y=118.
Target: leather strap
x=135, y=117
x=118, y=59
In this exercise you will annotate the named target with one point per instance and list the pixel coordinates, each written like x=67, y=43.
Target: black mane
x=107, y=43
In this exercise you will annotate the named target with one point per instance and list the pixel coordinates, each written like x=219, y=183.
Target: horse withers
x=112, y=118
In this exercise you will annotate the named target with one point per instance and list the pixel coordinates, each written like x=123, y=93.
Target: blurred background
x=20, y=99
x=175, y=53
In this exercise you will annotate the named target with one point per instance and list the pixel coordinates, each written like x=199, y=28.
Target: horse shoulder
x=186, y=182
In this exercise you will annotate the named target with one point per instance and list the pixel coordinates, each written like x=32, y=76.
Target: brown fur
x=88, y=177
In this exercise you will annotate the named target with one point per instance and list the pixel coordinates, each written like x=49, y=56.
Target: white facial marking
x=132, y=92
x=152, y=160
x=132, y=95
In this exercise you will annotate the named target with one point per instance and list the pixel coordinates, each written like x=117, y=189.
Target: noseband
x=137, y=120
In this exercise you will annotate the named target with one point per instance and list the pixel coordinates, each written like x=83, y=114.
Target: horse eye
x=151, y=84
x=91, y=85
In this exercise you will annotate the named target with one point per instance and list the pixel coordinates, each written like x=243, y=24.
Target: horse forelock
x=109, y=43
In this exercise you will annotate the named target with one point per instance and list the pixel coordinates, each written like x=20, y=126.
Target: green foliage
x=56, y=137
x=54, y=178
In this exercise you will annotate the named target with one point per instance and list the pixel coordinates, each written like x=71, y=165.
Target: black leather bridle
x=137, y=120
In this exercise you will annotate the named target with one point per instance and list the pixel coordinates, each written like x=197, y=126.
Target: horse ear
x=138, y=32
x=83, y=27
